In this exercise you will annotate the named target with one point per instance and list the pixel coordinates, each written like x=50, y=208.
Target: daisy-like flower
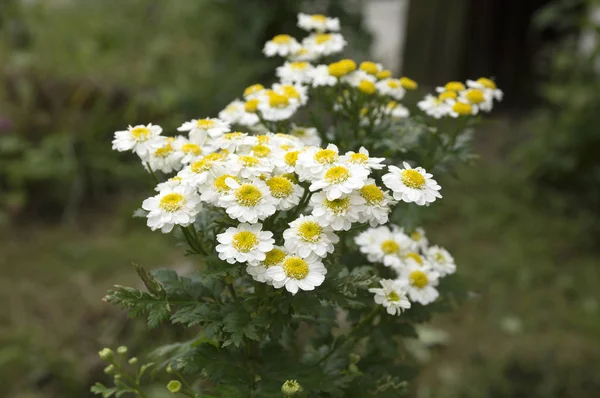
x=313, y=162
x=304, y=54
x=202, y=170
x=418, y=236
x=392, y=295
x=294, y=72
x=362, y=159
x=165, y=158
x=451, y=86
x=307, y=236
x=371, y=68
x=434, y=107
x=391, y=87
x=441, y=260
x=340, y=180
x=412, y=258
x=172, y=206
x=199, y=129
x=285, y=162
x=258, y=269
x=139, y=139
x=245, y=243
x=388, y=247
x=249, y=166
x=377, y=209
x=236, y=113
x=357, y=77
x=297, y=273
x=479, y=99
x=248, y=201
x=318, y=22
x=309, y=136
x=325, y=43
x=422, y=283
x=396, y=111
x=236, y=141
x=320, y=76
x=253, y=91
x=275, y=106
x=217, y=188
x=412, y=185
x=282, y=45
x=461, y=107
x=169, y=184
x=297, y=93
x=338, y=213
x=341, y=68
x=488, y=85
x=188, y=150
x=286, y=193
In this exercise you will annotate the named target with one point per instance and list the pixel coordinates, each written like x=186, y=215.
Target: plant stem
x=152, y=173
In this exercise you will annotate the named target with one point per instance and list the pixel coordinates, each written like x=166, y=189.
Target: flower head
x=392, y=295
x=412, y=185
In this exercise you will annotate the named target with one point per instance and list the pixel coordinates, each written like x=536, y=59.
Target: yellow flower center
x=439, y=257
x=390, y=247
x=367, y=87
x=273, y=257
x=253, y=89
x=349, y=64
x=310, y=231
x=364, y=111
x=140, y=133
x=172, y=202
x=295, y=267
x=191, y=148
x=278, y=100
x=319, y=18
x=326, y=156
x=290, y=91
x=413, y=179
x=248, y=195
x=338, y=206
x=384, y=74
x=251, y=105
x=369, y=67
x=216, y=156
x=416, y=257
x=249, y=161
x=261, y=151
x=342, y=68
x=475, y=96
x=392, y=104
x=359, y=158
x=291, y=177
x=454, y=86
x=322, y=38
x=337, y=174
x=393, y=84
x=393, y=296
x=299, y=65
x=233, y=136
x=447, y=95
x=263, y=139
x=202, y=165
x=408, y=84
x=291, y=158
x=282, y=39
x=205, y=124
x=418, y=279
x=372, y=194
x=416, y=236
x=462, y=108
x=280, y=187
x=244, y=241
x=220, y=184
x=164, y=151
x=487, y=83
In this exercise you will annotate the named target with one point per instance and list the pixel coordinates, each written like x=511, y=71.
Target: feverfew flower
x=318, y=22
x=434, y=107
x=314, y=161
x=340, y=180
x=338, y=213
x=421, y=283
x=391, y=87
x=258, y=269
x=176, y=206
x=377, y=209
x=320, y=76
x=294, y=72
x=388, y=246
x=139, y=139
x=309, y=136
x=307, y=236
x=211, y=193
x=297, y=273
x=189, y=151
x=275, y=106
x=169, y=184
x=199, y=129
x=286, y=194
x=396, y=111
x=479, y=99
x=245, y=243
x=248, y=201
x=325, y=43
x=418, y=236
x=199, y=171
x=236, y=113
x=412, y=185
x=282, y=45
x=233, y=142
x=442, y=262
x=165, y=158
x=461, y=107
x=487, y=85
x=361, y=158
x=392, y=295
x=249, y=166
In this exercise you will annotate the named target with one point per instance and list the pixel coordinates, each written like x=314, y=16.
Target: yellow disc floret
x=253, y=89
x=475, y=96
x=244, y=241
x=205, y=124
x=369, y=67
x=384, y=74
x=251, y=105
x=140, y=133
x=164, y=151
x=282, y=39
x=390, y=247
x=367, y=87
x=299, y=65
x=418, y=279
x=319, y=18
x=359, y=158
x=291, y=157
x=261, y=151
x=337, y=174
x=454, y=86
x=487, y=83
x=393, y=84
x=372, y=194
x=280, y=187
x=338, y=206
x=295, y=267
x=462, y=108
x=447, y=95
x=413, y=179
x=202, y=165
x=408, y=84
x=322, y=38
x=221, y=184
x=393, y=296
x=310, y=231
x=416, y=257
x=191, y=148
x=416, y=236
x=248, y=195
x=326, y=156
x=278, y=100
x=273, y=257
x=249, y=161
x=172, y=202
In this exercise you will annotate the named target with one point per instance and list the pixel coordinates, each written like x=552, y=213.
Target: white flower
x=419, y=237
x=304, y=54
x=388, y=247
x=412, y=185
x=275, y=106
x=421, y=283
x=202, y=170
x=479, y=99
x=325, y=43
x=248, y=201
x=361, y=158
x=236, y=113
x=396, y=111
x=377, y=209
x=165, y=158
x=338, y=213
x=314, y=161
x=308, y=136
x=285, y=162
x=282, y=45
x=487, y=85
x=294, y=72
x=245, y=243
x=318, y=22
x=392, y=295
x=441, y=260
x=236, y=141
x=319, y=76
x=307, y=236
x=249, y=166
x=286, y=193
x=189, y=151
x=172, y=206
x=169, y=184
x=139, y=139
x=355, y=78
x=297, y=273
x=296, y=93
x=258, y=269
x=340, y=180
x=391, y=87
x=461, y=107
x=200, y=128
x=434, y=107
x=217, y=188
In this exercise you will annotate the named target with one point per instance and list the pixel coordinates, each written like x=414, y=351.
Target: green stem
x=152, y=173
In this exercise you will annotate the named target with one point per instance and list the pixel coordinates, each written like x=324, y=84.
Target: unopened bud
x=118, y=377
x=106, y=354
x=291, y=388
x=110, y=369
x=174, y=386
x=122, y=350
x=170, y=369
x=133, y=361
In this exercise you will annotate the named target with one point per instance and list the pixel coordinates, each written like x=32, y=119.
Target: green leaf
x=101, y=389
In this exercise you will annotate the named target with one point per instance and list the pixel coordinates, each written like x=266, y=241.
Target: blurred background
x=523, y=224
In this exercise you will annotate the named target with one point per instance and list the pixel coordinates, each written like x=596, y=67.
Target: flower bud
x=110, y=369
x=133, y=361
x=354, y=358
x=118, y=376
x=122, y=350
x=291, y=388
x=174, y=386
x=170, y=369
x=106, y=354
